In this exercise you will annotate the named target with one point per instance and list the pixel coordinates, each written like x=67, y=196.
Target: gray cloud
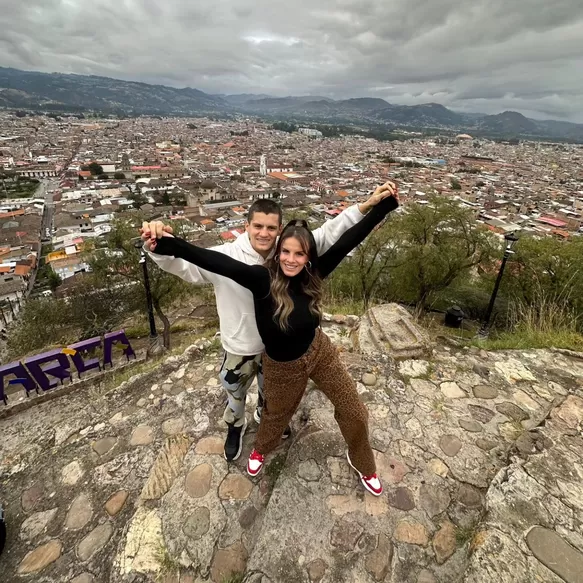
x=479, y=55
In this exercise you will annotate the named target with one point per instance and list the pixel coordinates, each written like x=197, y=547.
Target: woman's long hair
x=311, y=280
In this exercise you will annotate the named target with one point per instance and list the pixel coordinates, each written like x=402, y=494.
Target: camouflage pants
x=237, y=374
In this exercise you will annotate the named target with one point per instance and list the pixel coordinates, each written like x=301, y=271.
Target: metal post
x=510, y=240
x=155, y=346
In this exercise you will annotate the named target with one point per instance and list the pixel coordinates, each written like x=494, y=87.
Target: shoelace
x=368, y=478
x=255, y=455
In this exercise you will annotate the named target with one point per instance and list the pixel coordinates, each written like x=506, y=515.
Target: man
x=239, y=335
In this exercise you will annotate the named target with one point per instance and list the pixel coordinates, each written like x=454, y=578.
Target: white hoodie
x=239, y=334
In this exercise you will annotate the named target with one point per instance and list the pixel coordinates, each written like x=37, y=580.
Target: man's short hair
x=266, y=206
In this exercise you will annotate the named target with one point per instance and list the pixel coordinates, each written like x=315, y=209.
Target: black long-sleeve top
x=280, y=345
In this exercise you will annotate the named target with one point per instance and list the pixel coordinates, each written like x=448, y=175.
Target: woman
x=287, y=293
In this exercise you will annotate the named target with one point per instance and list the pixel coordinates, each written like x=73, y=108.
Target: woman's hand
x=387, y=189
x=154, y=230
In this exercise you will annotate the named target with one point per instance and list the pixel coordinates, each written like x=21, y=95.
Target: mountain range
x=81, y=93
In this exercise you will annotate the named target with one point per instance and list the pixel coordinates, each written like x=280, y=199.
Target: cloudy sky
x=470, y=55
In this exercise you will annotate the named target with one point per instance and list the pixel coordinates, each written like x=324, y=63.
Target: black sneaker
x=234, y=441
x=286, y=433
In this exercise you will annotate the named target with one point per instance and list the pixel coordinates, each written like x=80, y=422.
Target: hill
x=60, y=92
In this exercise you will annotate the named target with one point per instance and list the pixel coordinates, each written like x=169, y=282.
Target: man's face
x=263, y=232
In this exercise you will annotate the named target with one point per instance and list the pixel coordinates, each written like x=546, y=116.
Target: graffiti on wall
x=45, y=371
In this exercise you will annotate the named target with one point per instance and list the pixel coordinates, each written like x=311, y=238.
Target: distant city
x=64, y=181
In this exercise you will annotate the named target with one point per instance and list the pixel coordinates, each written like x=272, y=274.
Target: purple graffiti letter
x=59, y=370
x=84, y=346
x=109, y=340
x=22, y=376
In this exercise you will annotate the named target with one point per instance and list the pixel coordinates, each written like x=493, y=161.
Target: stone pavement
x=480, y=454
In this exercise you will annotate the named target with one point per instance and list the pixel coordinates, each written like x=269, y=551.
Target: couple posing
x=269, y=305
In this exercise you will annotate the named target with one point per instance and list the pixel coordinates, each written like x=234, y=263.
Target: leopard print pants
x=284, y=387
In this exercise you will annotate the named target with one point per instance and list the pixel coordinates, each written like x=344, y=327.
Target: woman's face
x=292, y=257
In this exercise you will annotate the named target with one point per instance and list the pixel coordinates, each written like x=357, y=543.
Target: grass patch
x=234, y=578
x=346, y=307
x=464, y=535
x=168, y=564
x=274, y=469
x=524, y=339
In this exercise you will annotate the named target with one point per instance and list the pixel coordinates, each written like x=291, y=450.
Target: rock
x=469, y=496
x=142, y=435
x=369, y=379
x=80, y=512
x=390, y=469
x=36, y=524
x=212, y=445
x=433, y=499
x=99, y=427
x=198, y=481
x=426, y=576
x=247, y=517
x=513, y=370
x=376, y=505
x=481, y=370
x=71, y=473
x=450, y=445
x=444, y=542
x=352, y=320
x=116, y=502
x=141, y=552
x=142, y=402
x=412, y=532
x=83, y=578
x=341, y=473
x=116, y=420
x=481, y=414
x=570, y=412
x=317, y=570
x=166, y=467
x=339, y=318
x=41, y=557
x=413, y=368
x=235, y=487
x=378, y=562
x=179, y=374
x=485, y=392
x=309, y=471
x=341, y=504
x=197, y=524
x=452, y=390
x=103, y=446
x=470, y=425
x=402, y=498
x=486, y=444
x=424, y=388
x=512, y=411
x=172, y=426
x=31, y=497
x=555, y=553
x=94, y=541
x=391, y=330
x=345, y=534
x=436, y=466
x=227, y=561
x=414, y=428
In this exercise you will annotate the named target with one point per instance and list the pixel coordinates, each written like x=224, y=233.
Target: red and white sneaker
x=255, y=463
x=371, y=483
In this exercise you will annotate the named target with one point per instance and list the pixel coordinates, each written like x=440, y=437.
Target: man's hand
x=386, y=189
x=154, y=230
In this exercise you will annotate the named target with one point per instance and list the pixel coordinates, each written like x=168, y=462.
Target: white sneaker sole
x=240, y=444
x=256, y=473
x=368, y=489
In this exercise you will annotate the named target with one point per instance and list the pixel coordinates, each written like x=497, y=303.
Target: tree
x=54, y=280
x=119, y=176
x=139, y=199
x=455, y=184
x=119, y=263
x=95, y=169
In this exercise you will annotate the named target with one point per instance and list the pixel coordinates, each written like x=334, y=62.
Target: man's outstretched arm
x=333, y=229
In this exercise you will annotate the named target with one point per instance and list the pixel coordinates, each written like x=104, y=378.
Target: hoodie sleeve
x=253, y=277
x=332, y=230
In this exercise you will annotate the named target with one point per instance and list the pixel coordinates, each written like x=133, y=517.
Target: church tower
x=263, y=165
